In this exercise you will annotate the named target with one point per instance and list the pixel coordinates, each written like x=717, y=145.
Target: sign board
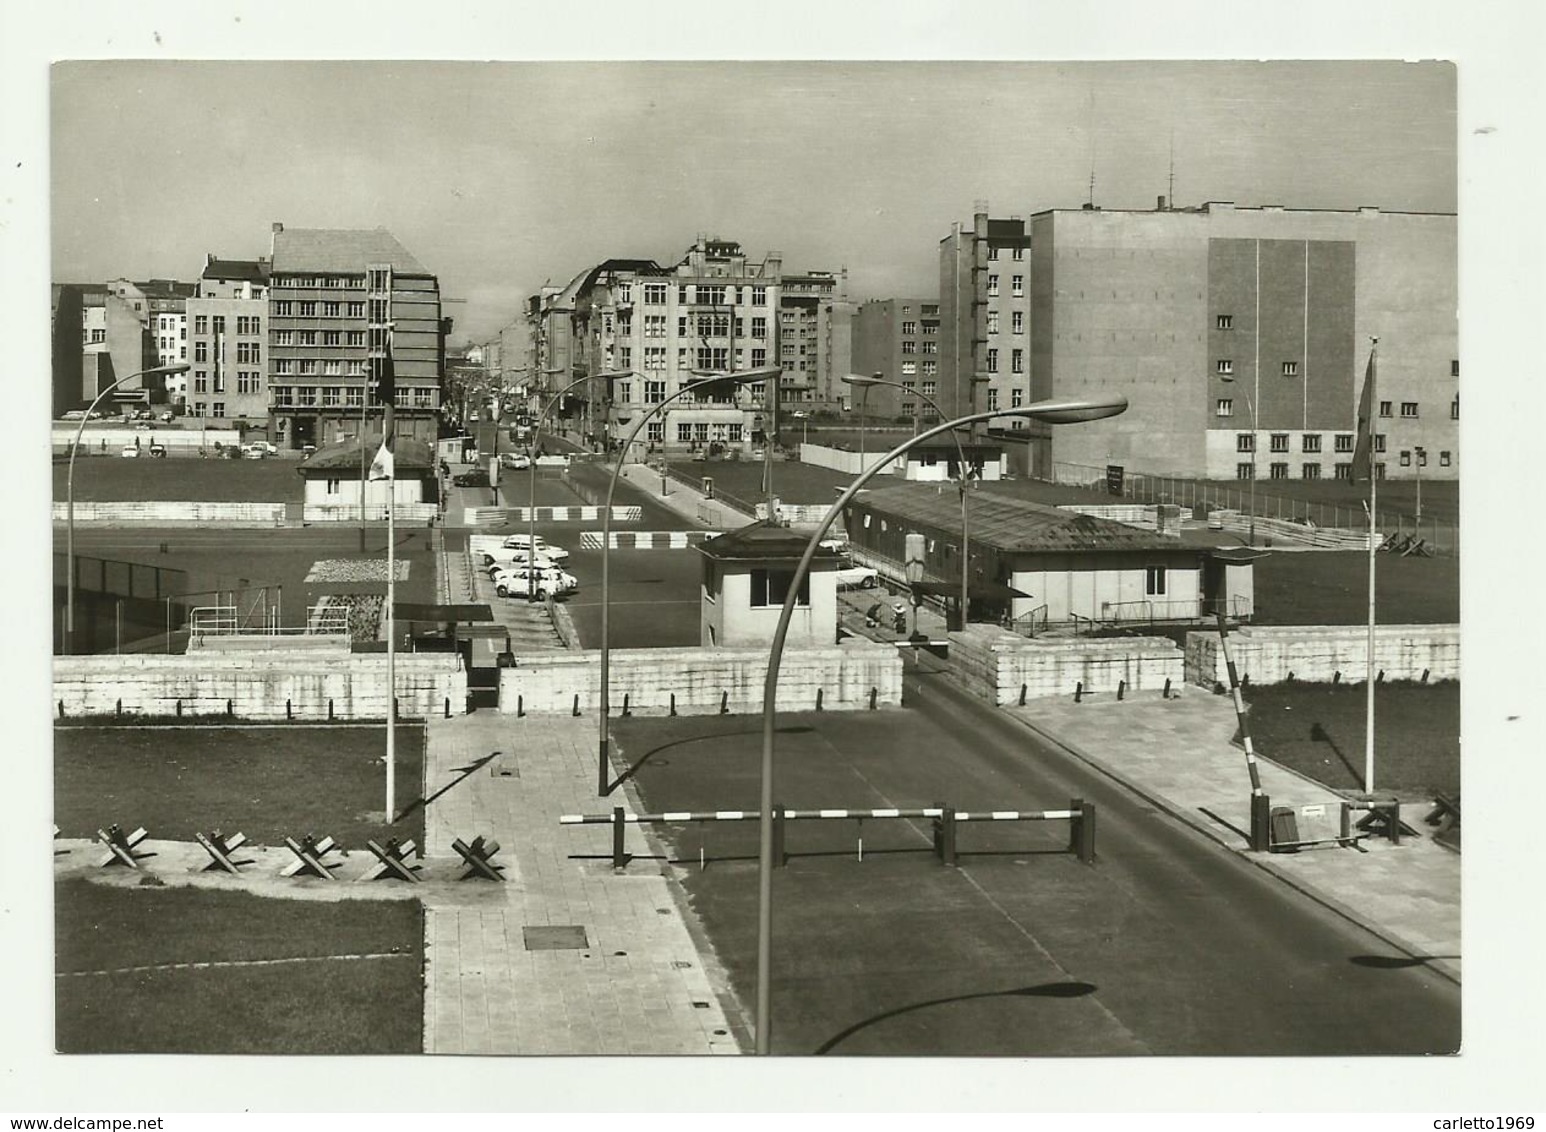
x=1114, y=476
x=914, y=553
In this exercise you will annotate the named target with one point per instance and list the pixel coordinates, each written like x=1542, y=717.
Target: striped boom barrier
x=646, y=540
x=1261, y=816
x=488, y=516
x=1080, y=815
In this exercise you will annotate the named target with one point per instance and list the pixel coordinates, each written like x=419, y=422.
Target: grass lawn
x=793, y=482
x=266, y=782
x=106, y=479
x=1318, y=730
x=1332, y=588
x=329, y=1006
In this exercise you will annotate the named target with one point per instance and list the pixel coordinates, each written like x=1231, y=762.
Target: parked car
x=166, y=414
x=130, y=451
x=517, y=461
x=144, y=415
x=142, y=426
x=838, y=544
x=75, y=415
x=541, y=546
x=518, y=582
x=158, y=450
x=475, y=478
x=308, y=451
x=257, y=451
x=516, y=559
x=857, y=578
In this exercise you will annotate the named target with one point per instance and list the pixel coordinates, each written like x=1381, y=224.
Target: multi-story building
x=335, y=296
x=1240, y=337
x=714, y=311
x=228, y=344
x=815, y=339
x=889, y=340
x=983, y=347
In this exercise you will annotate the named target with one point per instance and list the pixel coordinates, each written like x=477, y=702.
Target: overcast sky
x=498, y=176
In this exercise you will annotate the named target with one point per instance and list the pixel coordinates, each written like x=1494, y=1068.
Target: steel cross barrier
x=121, y=847
x=222, y=850
x=478, y=858
x=1275, y=830
x=391, y=861
x=310, y=857
x=1080, y=815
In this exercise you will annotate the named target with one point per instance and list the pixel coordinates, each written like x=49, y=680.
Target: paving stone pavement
x=640, y=983
x=1178, y=752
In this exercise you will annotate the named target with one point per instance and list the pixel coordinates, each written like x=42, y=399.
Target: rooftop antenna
x=1090, y=203
x=1171, y=199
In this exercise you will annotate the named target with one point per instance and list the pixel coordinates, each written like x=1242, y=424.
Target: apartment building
x=889, y=340
x=227, y=323
x=985, y=316
x=815, y=340
x=335, y=297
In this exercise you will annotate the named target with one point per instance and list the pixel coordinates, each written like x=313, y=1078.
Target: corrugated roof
x=1012, y=524
x=340, y=249
x=413, y=455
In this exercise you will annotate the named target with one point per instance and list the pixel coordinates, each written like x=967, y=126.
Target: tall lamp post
x=966, y=530
x=1419, y=458
x=1251, y=405
x=69, y=496
x=741, y=377
x=531, y=473
x=1052, y=412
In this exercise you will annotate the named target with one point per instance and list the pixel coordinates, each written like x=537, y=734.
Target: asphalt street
x=1168, y=944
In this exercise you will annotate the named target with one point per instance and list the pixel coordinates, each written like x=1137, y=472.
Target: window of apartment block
x=1342, y=471
x=1290, y=369
x=655, y=432
x=759, y=357
x=700, y=432
x=306, y=337
x=992, y=400
x=1017, y=361
x=711, y=294
x=1311, y=442
x=283, y=308
x=909, y=346
x=354, y=337
x=332, y=338
x=1154, y=581
x=1443, y=459
x=993, y=322
x=201, y=381
x=1409, y=409
x=654, y=326
x=1224, y=322
x=907, y=407
x=246, y=381
x=284, y=365
x=1385, y=408
x=356, y=366
x=1245, y=471
x=377, y=278
x=681, y=326
x=1454, y=408
x=1278, y=442
x=992, y=285
x=354, y=396
x=1017, y=285
x=1245, y=442
x=929, y=388
x=930, y=368
x=713, y=357
x=1224, y=367
x=217, y=409
x=356, y=310
x=1454, y=367
x=992, y=361
x=654, y=392
x=759, y=327
x=654, y=357
x=909, y=367
x=1343, y=442
x=1016, y=398
x=333, y=367
x=759, y=296
x=930, y=347
x=307, y=308
x=1224, y=407
x=217, y=323
x=1277, y=471
x=201, y=324
x=929, y=310
x=332, y=308
x=623, y=392
x=1017, y=322
x=654, y=294
x=198, y=409
x=625, y=357
x=283, y=396
x=1017, y=253
x=1379, y=442
x=308, y=365
x=683, y=432
x=910, y=327
x=1406, y=458
x=332, y=396
x=734, y=432
x=201, y=351
x=1310, y=471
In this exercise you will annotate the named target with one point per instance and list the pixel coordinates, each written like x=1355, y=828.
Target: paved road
x=1190, y=950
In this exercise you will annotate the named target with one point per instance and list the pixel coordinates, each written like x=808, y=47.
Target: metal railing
x=1441, y=536
x=227, y=620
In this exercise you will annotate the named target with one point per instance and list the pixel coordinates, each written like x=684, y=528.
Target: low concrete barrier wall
x=998, y=664
x=167, y=513
x=1318, y=653
x=315, y=686
x=492, y=516
x=700, y=680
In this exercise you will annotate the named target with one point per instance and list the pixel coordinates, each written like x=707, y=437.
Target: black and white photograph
x=919, y=556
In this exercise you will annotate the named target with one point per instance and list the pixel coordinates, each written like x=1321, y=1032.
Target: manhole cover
x=555, y=938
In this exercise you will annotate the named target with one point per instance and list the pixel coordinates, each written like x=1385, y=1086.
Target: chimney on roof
x=1159, y=205
x=278, y=227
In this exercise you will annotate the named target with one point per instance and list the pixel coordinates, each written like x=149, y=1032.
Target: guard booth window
x=1154, y=581
x=771, y=587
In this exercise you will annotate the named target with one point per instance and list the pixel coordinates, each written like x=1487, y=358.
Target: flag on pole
x=381, y=467
x=383, y=382
x=1363, y=452
x=383, y=388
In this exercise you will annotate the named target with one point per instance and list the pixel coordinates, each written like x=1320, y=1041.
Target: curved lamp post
x=1053, y=412
x=1251, y=405
x=742, y=377
x=69, y=495
x=966, y=530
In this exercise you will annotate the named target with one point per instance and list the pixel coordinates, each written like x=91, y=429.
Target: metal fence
x=1440, y=536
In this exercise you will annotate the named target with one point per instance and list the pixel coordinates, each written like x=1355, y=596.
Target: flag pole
x=1374, y=479
x=391, y=602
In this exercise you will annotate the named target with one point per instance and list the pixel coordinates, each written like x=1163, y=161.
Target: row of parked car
x=526, y=567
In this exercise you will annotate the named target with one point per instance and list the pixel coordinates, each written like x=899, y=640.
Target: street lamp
x=1251, y=405
x=741, y=377
x=966, y=536
x=1419, y=458
x=1052, y=412
x=770, y=410
x=69, y=495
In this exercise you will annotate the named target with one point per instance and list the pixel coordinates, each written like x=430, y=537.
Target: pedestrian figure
x=872, y=616
x=899, y=617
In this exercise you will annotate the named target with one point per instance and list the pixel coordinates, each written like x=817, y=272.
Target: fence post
x=947, y=835
x=1023, y=689
x=673, y=703
x=577, y=704
x=1121, y=689
x=619, y=855
x=329, y=709
x=1345, y=823
x=626, y=704
x=1078, y=691
x=874, y=696
x=779, y=859
x=1261, y=823
x=520, y=706
x=724, y=703
x=818, y=699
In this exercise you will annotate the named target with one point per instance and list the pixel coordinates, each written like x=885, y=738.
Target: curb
x=1442, y=967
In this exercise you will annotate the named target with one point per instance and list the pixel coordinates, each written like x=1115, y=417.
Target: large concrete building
x=1241, y=335
x=815, y=340
x=889, y=339
x=227, y=324
x=334, y=296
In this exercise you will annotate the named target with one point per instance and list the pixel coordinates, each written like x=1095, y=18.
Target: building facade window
x=654, y=294
x=1385, y=407
x=910, y=327
x=1342, y=471
x=1278, y=442
x=1245, y=442
x=1311, y=472
x=1224, y=366
x=1290, y=369
x=1311, y=442
x=1017, y=322
x=1343, y=442
x=1154, y=581
x=1017, y=285
x=771, y=587
x=992, y=286
x=1409, y=409
x=1277, y=470
x=992, y=400
x=201, y=324
x=910, y=367
x=1454, y=408
x=993, y=322
x=909, y=346
x=992, y=361
x=1017, y=361
x=201, y=351
x=1245, y=471
x=654, y=392
x=1225, y=322
x=1016, y=398
x=1224, y=407
x=1443, y=459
